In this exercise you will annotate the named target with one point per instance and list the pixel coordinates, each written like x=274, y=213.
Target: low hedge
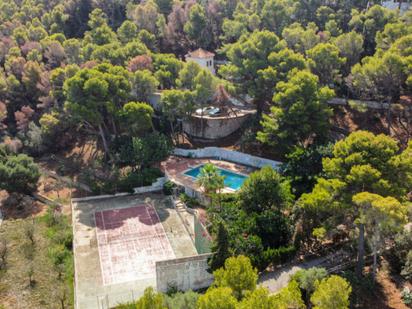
x=281, y=255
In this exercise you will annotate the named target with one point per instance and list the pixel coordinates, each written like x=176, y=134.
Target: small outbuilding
x=202, y=57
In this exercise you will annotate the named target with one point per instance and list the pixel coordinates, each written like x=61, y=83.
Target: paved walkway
x=276, y=280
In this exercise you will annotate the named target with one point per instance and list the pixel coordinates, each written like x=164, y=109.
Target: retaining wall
x=154, y=187
x=368, y=104
x=215, y=127
x=183, y=273
x=227, y=155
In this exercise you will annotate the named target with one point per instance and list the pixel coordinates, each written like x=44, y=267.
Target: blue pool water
x=232, y=180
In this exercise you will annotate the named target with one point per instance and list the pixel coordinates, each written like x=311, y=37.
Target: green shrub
x=407, y=296
x=190, y=202
x=407, y=268
x=138, y=179
x=168, y=188
x=179, y=300
x=123, y=183
x=58, y=254
x=280, y=255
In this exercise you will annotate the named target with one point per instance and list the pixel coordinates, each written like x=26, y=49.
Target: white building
x=402, y=6
x=203, y=58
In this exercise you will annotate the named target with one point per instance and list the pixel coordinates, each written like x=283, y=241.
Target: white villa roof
x=200, y=53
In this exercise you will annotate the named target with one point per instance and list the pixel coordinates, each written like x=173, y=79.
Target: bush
x=168, y=188
x=124, y=183
x=179, y=300
x=138, y=179
x=280, y=255
x=407, y=268
x=18, y=173
x=407, y=296
x=190, y=202
x=398, y=255
x=58, y=254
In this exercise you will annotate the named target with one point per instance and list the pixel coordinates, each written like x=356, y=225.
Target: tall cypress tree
x=220, y=248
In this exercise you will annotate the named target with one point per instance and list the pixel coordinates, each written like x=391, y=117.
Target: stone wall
x=183, y=273
x=227, y=155
x=215, y=127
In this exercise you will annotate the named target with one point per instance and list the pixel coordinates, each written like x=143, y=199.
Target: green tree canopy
x=363, y=162
x=300, y=114
x=325, y=62
x=308, y=279
x=265, y=190
x=151, y=299
x=93, y=95
x=197, y=28
x=220, y=248
x=138, y=117
x=332, y=292
x=248, y=56
x=18, y=173
x=381, y=216
x=217, y=298
x=289, y=297
x=238, y=275
x=350, y=47
x=143, y=85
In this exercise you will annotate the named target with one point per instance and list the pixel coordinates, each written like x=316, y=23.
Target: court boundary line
x=163, y=228
x=145, y=204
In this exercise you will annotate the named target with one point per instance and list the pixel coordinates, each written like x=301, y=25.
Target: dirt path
x=391, y=291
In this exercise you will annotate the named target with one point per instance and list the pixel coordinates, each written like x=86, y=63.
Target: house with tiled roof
x=202, y=57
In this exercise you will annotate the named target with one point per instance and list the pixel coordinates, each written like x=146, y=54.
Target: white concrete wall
x=154, y=101
x=227, y=155
x=183, y=273
x=203, y=63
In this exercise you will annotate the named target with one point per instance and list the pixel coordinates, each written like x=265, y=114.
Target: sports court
x=130, y=240
x=117, y=242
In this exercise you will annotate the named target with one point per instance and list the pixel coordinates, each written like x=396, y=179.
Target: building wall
x=154, y=100
x=214, y=127
x=183, y=273
x=203, y=63
x=394, y=5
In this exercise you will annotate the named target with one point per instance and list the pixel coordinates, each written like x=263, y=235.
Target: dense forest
x=80, y=72
x=75, y=67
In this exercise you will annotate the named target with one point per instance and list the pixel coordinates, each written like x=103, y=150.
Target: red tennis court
x=130, y=241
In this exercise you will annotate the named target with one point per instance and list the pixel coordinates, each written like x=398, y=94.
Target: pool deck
x=175, y=167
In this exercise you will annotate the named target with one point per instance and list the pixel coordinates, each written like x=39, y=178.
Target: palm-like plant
x=210, y=179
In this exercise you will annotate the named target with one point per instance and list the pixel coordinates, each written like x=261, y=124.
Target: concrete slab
x=90, y=289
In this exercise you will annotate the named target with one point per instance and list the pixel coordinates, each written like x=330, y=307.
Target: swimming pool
x=232, y=180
